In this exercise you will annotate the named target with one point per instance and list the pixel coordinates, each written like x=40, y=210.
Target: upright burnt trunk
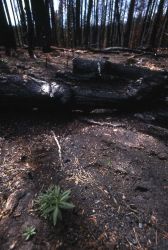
x=73, y=24
x=47, y=36
x=22, y=20
x=7, y=12
x=97, y=22
x=129, y=23
x=15, y=22
x=144, y=24
x=118, y=29
x=87, y=30
x=61, y=39
x=163, y=30
x=110, y=28
x=41, y=18
x=155, y=32
x=54, y=24
x=7, y=37
x=19, y=28
x=38, y=12
x=78, y=28
x=68, y=37
x=30, y=28
x=103, y=25
x=69, y=23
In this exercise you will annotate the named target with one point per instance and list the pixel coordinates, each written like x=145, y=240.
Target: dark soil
x=115, y=164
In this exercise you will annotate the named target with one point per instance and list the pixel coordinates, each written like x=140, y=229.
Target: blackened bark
x=18, y=93
x=61, y=23
x=38, y=16
x=116, y=32
x=47, y=36
x=100, y=68
x=23, y=20
x=129, y=23
x=40, y=12
x=16, y=28
x=7, y=37
x=54, y=24
x=87, y=31
x=78, y=28
x=70, y=24
x=145, y=22
x=118, y=22
x=154, y=36
x=30, y=28
x=103, y=25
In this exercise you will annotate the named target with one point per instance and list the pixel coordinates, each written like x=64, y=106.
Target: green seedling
x=29, y=232
x=52, y=202
x=109, y=162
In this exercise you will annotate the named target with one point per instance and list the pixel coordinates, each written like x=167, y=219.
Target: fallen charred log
x=17, y=92
x=20, y=93
x=117, y=49
x=106, y=69
x=139, y=51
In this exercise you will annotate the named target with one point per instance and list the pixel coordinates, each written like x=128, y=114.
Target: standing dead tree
x=7, y=36
x=85, y=23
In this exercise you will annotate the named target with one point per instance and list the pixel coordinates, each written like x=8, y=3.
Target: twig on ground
x=130, y=244
x=156, y=238
x=59, y=148
x=90, y=121
x=136, y=237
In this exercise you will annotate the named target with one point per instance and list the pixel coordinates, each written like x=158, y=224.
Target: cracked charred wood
x=106, y=69
x=142, y=94
x=20, y=93
x=17, y=92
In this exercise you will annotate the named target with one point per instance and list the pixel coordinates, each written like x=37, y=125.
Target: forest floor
x=116, y=166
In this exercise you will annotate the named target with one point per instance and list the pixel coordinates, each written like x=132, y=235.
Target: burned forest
x=84, y=124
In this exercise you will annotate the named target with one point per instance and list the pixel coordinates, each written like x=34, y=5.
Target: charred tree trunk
x=22, y=20
x=38, y=16
x=47, y=36
x=30, y=28
x=16, y=28
x=7, y=37
x=145, y=22
x=70, y=33
x=154, y=36
x=163, y=28
x=129, y=23
x=61, y=24
x=78, y=28
x=87, y=30
x=54, y=24
x=40, y=12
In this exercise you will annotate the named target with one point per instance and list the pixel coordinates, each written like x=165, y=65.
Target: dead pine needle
x=59, y=148
x=130, y=244
x=136, y=237
x=108, y=124
x=156, y=238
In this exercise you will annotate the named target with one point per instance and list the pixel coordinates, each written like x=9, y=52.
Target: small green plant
x=109, y=162
x=29, y=232
x=51, y=203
